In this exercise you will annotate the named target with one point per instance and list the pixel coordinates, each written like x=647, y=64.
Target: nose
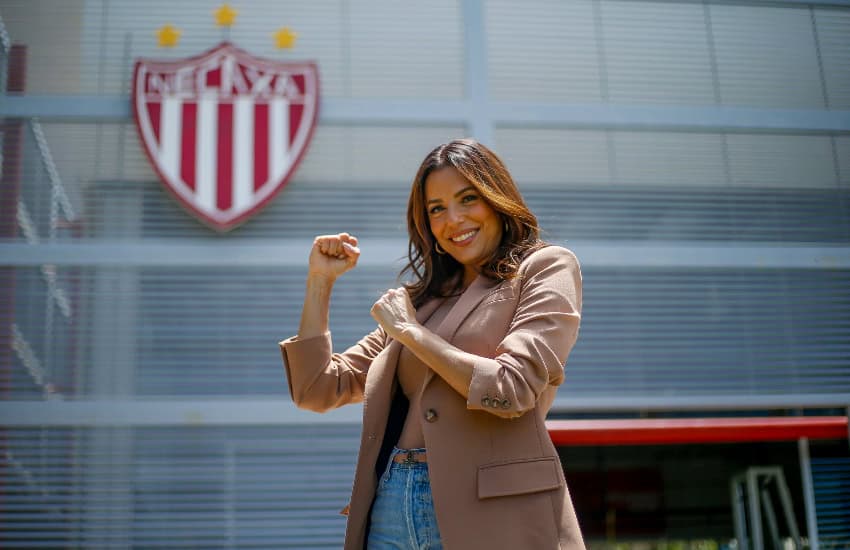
x=456, y=215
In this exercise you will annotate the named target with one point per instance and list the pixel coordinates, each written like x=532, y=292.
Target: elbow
x=303, y=400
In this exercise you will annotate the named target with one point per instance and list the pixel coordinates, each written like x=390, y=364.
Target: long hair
x=440, y=274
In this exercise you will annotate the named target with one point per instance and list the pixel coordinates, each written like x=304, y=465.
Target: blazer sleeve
x=320, y=380
x=541, y=334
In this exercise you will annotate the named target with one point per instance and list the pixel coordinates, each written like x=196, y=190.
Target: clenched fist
x=394, y=311
x=333, y=255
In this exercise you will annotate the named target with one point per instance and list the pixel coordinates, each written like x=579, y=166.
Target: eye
x=469, y=198
x=436, y=209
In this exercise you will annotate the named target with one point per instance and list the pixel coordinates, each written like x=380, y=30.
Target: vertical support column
x=754, y=510
x=111, y=376
x=808, y=492
x=475, y=71
x=739, y=516
x=10, y=186
x=10, y=190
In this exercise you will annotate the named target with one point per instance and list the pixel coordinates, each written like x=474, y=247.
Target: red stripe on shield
x=188, y=144
x=261, y=145
x=224, y=157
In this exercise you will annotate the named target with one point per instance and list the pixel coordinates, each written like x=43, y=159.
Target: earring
x=438, y=249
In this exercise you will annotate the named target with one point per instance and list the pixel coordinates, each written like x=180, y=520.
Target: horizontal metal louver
x=582, y=185
x=657, y=52
x=833, y=28
x=780, y=43
x=831, y=479
x=544, y=50
x=213, y=332
x=248, y=487
x=573, y=213
x=363, y=49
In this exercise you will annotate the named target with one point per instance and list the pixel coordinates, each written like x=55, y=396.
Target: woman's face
x=464, y=225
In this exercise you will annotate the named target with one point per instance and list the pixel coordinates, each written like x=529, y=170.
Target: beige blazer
x=495, y=476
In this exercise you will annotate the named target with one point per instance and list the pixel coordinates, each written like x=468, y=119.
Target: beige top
x=411, y=377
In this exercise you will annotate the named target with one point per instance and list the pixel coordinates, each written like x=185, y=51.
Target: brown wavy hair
x=440, y=274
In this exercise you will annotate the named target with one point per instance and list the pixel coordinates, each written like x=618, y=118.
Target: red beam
x=675, y=431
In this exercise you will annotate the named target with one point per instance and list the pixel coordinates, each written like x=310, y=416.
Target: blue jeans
x=403, y=513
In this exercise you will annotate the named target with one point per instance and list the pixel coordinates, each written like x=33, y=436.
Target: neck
x=469, y=275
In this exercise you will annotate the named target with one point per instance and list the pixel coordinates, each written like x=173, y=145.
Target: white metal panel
x=544, y=50
x=393, y=155
x=781, y=161
x=52, y=32
x=833, y=28
x=766, y=56
x=182, y=487
x=842, y=150
x=405, y=49
x=554, y=156
x=115, y=33
x=657, y=52
x=662, y=158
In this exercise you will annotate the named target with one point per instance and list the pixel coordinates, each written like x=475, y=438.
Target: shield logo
x=225, y=130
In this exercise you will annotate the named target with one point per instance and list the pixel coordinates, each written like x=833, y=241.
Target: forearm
x=449, y=362
x=317, y=299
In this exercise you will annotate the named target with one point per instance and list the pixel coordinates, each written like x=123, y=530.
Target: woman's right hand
x=333, y=255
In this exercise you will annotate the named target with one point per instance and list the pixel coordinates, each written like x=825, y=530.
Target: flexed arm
x=330, y=257
x=319, y=379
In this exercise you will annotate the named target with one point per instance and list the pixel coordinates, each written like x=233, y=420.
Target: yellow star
x=168, y=36
x=285, y=38
x=225, y=16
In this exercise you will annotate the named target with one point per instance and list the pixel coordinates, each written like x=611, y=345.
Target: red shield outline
x=225, y=130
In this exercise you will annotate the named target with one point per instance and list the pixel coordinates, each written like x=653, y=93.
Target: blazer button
x=485, y=401
x=431, y=415
x=506, y=404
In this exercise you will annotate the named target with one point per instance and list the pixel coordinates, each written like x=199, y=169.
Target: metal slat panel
x=781, y=161
x=406, y=50
x=542, y=50
x=657, y=52
x=833, y=28
x=236, y=487
x=549, y=155
x=831, y=479
x=48, y=28
x=742, y=332
x=766, y=56
x=665, y=331
x=116, y=33
x=842, y=152
x=676, y=159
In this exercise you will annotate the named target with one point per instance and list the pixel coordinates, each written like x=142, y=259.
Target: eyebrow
x=461, y=192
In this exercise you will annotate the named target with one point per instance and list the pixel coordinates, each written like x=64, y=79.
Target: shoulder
x=550, y=257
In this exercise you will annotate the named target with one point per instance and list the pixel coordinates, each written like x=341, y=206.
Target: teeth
x=463, y=237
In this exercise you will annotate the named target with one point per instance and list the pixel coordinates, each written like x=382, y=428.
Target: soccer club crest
x=225, y=130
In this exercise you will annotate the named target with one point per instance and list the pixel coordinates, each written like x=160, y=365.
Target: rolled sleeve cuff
x=484, y=393
x=303, y=357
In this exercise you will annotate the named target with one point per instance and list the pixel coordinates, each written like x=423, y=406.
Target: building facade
x=695, y=156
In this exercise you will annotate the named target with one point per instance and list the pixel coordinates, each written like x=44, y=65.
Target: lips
x=464, y=238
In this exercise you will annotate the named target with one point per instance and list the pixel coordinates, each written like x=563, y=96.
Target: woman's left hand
x=394, y=311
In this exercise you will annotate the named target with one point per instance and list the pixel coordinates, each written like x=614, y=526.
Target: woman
x=460, y=373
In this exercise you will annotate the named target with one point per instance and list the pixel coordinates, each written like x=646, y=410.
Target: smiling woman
x=459, y=374
x=463, y=187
